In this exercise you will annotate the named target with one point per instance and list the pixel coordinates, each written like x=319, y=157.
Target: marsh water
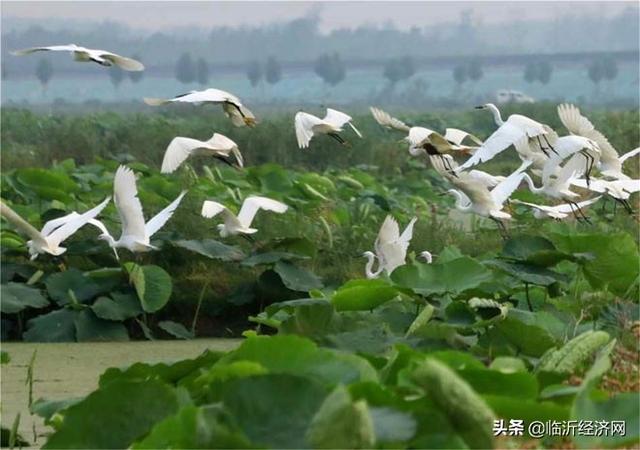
x=64, y=370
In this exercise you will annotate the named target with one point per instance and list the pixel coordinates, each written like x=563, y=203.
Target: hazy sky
x=155, y=15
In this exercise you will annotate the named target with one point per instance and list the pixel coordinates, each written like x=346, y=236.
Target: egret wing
x=573, y=121
x=457, y=136
x=505, y=188
x=51, y=225
x=211, y=209
x=75, y=223
x=304, y=123
x=122, y=61
x=179, y=149
x=336, y=118
x=630, y=154
x=51, y=48
x=505, y=136
x=128, y=203
x=386, y=120
x=21, y=224
x=567, y=208
x=163, y=216
x=251, y=206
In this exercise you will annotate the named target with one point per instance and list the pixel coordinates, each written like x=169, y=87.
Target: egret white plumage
x=307, y=125
x=233, y=108
x=619, y=190
x=241, y=223
x=83, y=54
x=482, y=201
x=390, y=247
x=136, y=234
x=557, y=212
x=181, y=148
x=610, y=164
x=510, y=131
x=54, y=232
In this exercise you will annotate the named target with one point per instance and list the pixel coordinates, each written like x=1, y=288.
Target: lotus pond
x=542, y=326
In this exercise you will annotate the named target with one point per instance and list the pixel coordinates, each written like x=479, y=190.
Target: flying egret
x=136, y=234
x=180, y=148
x=515, y=128
x=54, y=232
x=557, y=212
x=307, y=125
x=83, y=54
x=232, y=106
x=241, y=223
x=390, y=247
x=610, y=164
x=619, y=190
x=426, y=141
x=482, y=201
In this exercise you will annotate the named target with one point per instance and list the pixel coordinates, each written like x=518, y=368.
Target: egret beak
x=479, y=107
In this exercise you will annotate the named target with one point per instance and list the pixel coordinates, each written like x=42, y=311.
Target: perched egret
x=390, y=247
x=514, y=129
x=482, y=201
x=557, y=212
x=610, y=164
x=54, y=232
x=180, y=148
x=136, y=233
x=83, y=54
x=307, y=125
x=232, y=106
x=241, y=223
x=426, y=256
x=619, y=190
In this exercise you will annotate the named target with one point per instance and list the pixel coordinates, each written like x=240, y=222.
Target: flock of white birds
x=562, y=163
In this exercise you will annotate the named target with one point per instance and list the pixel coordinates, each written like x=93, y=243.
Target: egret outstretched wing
x=122, y=61
x=304, y=123
x=74, y=223
x=386, y=120
x=161, y=218
x=505, y=188
x=336, y=118
x=253, y=204
x=505, y=136
x=457, y=136
x=128, y=203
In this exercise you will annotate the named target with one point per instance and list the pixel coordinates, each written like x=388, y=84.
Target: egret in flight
x=610, y=164
x=54, y=232
x=136, y=233
x=83, y=54
x=390, y=248
x=557, y=212
x=233, y=108
x=241, y=223
x=509, y=131
x=181, y=148
x=307, y=125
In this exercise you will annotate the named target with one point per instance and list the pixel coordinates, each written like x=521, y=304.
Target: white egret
x=482, y=201
x=557, y=212
x=83, y=54
x=181, y=148
x=610, y=164
x=619, y=190
x=136, y=234
x=307, y=125
x=54, y=232
x=427, y=256
x=390, y=247
x=233, y=108
x=241, y=223
x=515, y=128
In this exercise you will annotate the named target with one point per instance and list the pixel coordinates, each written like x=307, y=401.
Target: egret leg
x=338, y=138
x=586, y=219
x=549, y=144
x=447, y=166
x=249, y=238
x=573, y=211
x=542, y=146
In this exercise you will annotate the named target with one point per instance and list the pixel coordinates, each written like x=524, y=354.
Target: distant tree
x=254, y=73
x=609, y=68
x=116, y=75
x=545, y=69
x=474, y=70
x=460, y=74
x=330, y=68
x=530, y=72
x=185, y=69
x=399, y=69
x=138, y=75
x=202, y=71
x=596, y=73
x=44, y=72
x=272, y=70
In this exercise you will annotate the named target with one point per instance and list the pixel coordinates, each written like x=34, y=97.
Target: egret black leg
x=549, y=146
x=338, y=138
x=249, y=238
x=542, y=147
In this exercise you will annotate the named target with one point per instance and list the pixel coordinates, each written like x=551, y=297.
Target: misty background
x=417, y=54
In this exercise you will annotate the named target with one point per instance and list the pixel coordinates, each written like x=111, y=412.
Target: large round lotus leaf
x=297, y=278
x=83, y=288
x=47, y=184
x=89, y=327
x=18, y=296
x=153, y=285
x=56, y=326
x=115, y=415
x=211, y=249
x=274, y=410
x=452, y=277
x=362, y=295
